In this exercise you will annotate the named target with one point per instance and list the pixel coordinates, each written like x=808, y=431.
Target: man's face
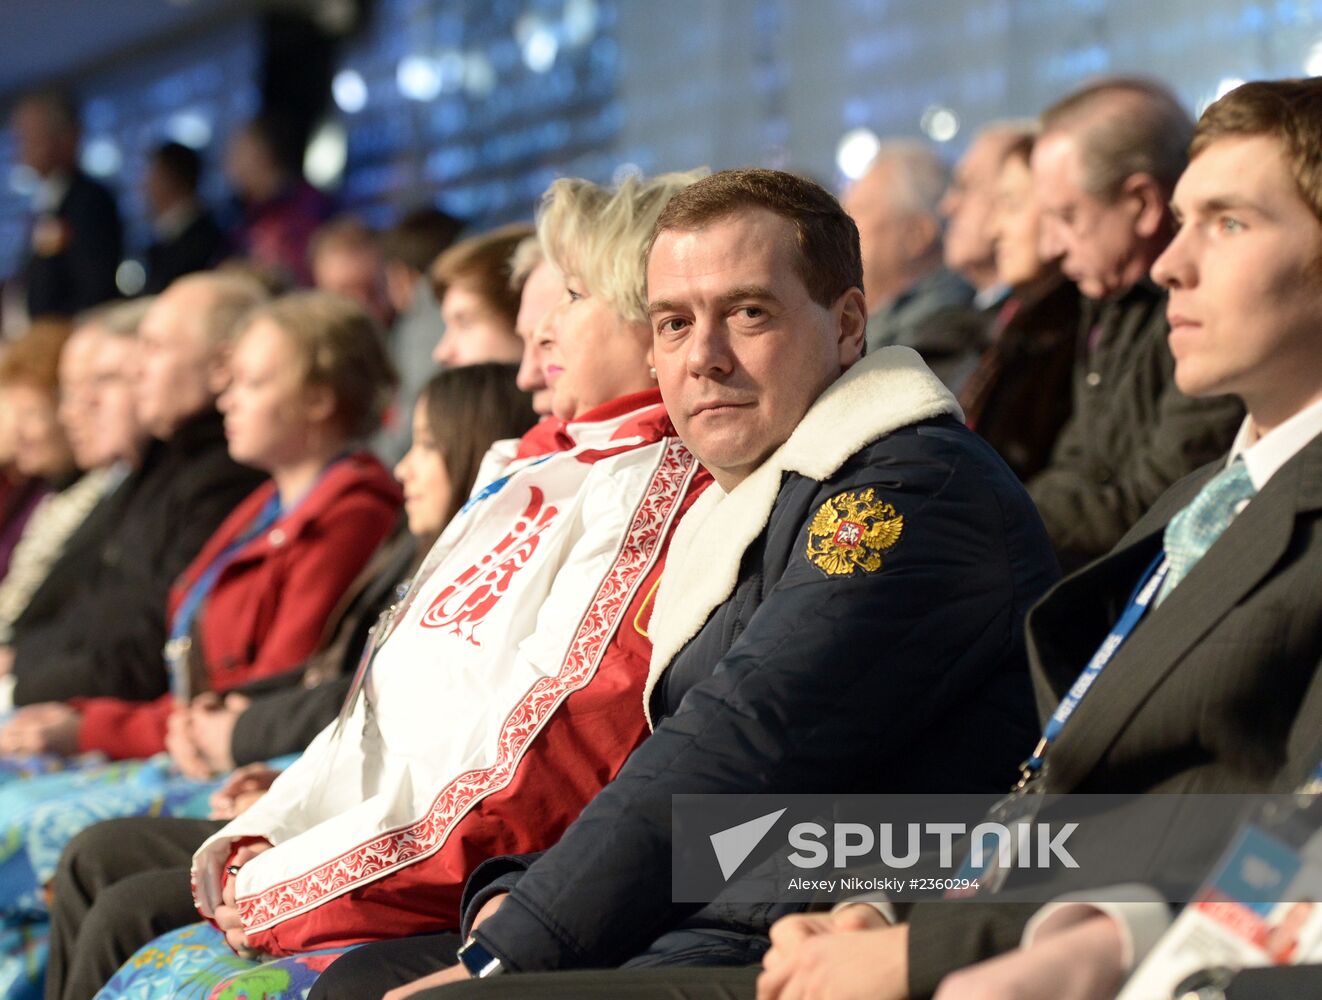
x=541, y=293
x=741, y=350
x=158, y=190
x=173, y=374
x=882, y=233
x=968, y=205
x=1245, y=280
x=474, y=331
x=40, y=143
x=77, y=393
x=354, y=272
x=118, y=432
x=1094, y=239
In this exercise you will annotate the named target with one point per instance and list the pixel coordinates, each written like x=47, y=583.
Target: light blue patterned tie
x=1192, y=531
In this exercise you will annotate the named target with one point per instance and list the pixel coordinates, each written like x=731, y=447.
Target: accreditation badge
x=376, y=638
x=1018, y=813
x=1261, y=906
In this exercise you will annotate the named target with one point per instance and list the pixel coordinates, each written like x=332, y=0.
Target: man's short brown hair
x=1124, y=126
x=1286, y=110
x=481, y=264
x=420, y=237
x=827, y=255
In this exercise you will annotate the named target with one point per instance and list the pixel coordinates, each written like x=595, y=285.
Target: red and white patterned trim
x=395, y=849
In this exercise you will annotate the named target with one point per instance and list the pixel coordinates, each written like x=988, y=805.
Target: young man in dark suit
x=185, y=235
x=1217, y=688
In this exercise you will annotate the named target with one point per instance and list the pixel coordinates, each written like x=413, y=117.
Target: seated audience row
x=844, y=607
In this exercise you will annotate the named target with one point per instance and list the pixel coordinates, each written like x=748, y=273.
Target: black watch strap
x=478, y=960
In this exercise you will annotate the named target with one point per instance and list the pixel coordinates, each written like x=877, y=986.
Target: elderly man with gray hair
x=1104, y=169
x=913, y=300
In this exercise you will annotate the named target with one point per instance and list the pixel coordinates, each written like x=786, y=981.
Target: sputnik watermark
x=783, y=849
x=1021, y=846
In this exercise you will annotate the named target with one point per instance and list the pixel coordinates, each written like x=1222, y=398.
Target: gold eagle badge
x=850, y=532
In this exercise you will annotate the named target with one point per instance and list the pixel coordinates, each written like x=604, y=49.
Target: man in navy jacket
x=843, y=614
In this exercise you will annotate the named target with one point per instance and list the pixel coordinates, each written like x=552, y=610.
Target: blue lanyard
x=182, y=624
x=1138, y=605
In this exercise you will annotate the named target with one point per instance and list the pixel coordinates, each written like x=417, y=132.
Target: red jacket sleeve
x=123, y=729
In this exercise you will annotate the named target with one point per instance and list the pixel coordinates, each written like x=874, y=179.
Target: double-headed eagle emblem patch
x=850, y=531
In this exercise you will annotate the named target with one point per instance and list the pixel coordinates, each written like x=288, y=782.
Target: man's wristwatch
x=479, y=962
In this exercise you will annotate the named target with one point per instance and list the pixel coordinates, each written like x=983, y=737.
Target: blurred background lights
x=1313, y=64
x=189, y=127
x=350, y=91
x=580, y=21
x=1226, y=85
x=130, y=277
x=537, y=41
x=23, y=180
x=323, y=163
x=479, y=75
x=855, y=151
x=626, y=171
x=418, y=78
x=940, y=124
x=102, y=158
x=452, y=68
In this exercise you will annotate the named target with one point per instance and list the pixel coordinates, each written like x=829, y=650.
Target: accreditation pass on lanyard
x=1018, y=810
x=376, y=638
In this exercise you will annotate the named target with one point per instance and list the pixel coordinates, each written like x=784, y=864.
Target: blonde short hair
x=524, y=260
x=341, y=347
x=601, y=236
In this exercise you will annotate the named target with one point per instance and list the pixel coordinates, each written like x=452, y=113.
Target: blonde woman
x=510, y=688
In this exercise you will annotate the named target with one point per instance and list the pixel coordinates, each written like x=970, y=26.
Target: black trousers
x=119, y=884
x=375, y=968
x=675, y=983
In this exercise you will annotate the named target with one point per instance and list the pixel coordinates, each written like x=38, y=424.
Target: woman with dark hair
x=460, y=414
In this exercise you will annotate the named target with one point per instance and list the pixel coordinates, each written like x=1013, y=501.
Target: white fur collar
x=889, y=389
